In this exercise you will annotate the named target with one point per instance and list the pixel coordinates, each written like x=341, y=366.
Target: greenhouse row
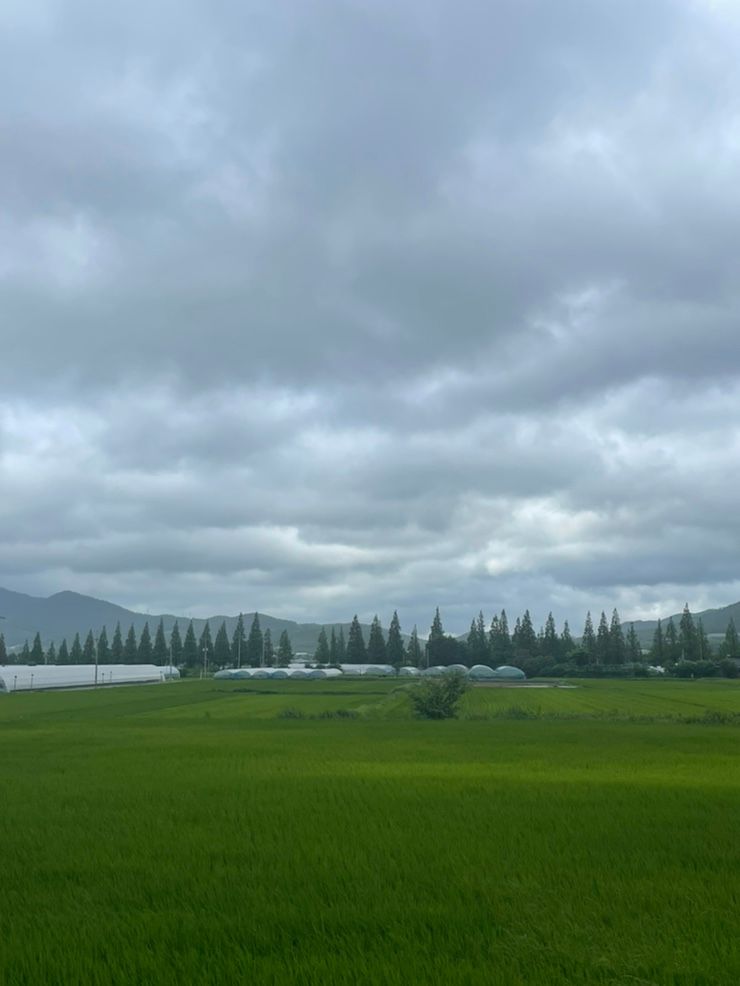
x=479, y=672
x=30, y=677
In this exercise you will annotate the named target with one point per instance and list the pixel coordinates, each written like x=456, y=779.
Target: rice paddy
x=194, y=833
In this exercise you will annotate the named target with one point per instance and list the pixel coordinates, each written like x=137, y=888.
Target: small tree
x=438, y=698
x=413, y=651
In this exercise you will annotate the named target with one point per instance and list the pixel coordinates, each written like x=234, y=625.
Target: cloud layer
x=343, y=306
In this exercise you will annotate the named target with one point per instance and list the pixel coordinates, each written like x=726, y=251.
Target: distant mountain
x=715, y=622
x=66, y=613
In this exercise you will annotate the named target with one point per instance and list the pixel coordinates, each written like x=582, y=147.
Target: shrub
x=438, y=698
x=728, y=668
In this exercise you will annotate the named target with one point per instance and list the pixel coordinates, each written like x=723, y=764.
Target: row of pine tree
x=605, y=645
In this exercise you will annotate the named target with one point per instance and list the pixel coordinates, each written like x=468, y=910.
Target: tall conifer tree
x=51, y=654
x=395, y=649
x=103, y=647
x=145, y=646
x=657, y=651
x=322, y=654
x=588, y=640
x=269, y=648
x=175, y=654
x=356, y=653
x=88, y=651
x=37, y=650
x=190, y=655
x=75, y=651
x=160, y=651
x=131, y=647
x=222, y=647
x=602, y=641
x=63, y=655
x=116, y=649
x=617, y=647
x=3, y=650
x=376, y=652
x=285, y=650
x=238, y=643
x=255, y=643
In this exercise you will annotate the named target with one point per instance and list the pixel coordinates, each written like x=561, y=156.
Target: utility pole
x=96, y=663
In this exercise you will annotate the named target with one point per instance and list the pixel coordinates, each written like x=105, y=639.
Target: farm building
x=27, y=677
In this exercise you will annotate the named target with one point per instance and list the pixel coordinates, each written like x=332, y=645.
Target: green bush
x=438, y=698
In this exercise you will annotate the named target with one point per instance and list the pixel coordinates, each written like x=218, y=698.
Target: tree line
x=206, y=651
x=603, y=646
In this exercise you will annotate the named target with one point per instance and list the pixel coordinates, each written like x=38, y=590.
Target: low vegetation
x=196, y=832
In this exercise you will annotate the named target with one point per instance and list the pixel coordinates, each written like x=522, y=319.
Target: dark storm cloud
x=316, y=307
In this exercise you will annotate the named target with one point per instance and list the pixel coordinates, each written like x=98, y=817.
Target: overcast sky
x=330, y=307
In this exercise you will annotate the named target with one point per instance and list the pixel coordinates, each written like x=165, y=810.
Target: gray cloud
x=339, y=306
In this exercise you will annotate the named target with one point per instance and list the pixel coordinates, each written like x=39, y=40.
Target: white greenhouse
x=456, y=667
x=509, y=673
x=28, y=677
x=479, y=672
x=409, y=672
x=434, y=672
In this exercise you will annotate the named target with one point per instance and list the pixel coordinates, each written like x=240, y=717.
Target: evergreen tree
x=567, y=645
x=37, y=650
x=175, y=655
x=160, y=651
x=116, y=649
x=588, y=640
x=671, y=643
x=63, y=655
x=657, y=650
x=238, y=643
x=322, y=654
x=255, y=643
x=687, y=637
x=205, y=648
x=3, y=650
x=146, y=650
x=341, y=647
x=333, y=647
x=395, y=649
x=269, y=649
x=602, y=641
x=479, y=651
x=75, y=651
x=103, y=647
x=356, y=653
x=506, y=648
x=634, y=651
x=730, y=646
x=190, y=655
x=550, y=640
x=25, y=654
x=285, y=650
x=376, y=653
x=436, y=632
x=413, y=650
x=131, y=647
x=617, y=649
x=704, y=648
x=88, y=651
x=51, y=655
x=222, y=647
x=526, y=638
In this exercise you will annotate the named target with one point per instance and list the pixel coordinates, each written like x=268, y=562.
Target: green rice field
x=313, y=832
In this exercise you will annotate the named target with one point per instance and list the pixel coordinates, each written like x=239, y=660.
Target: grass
x=186, y=833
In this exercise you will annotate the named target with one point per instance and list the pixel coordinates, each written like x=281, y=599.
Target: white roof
x=26, y=677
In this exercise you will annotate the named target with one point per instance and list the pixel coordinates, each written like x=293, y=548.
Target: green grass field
x=188, y=833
